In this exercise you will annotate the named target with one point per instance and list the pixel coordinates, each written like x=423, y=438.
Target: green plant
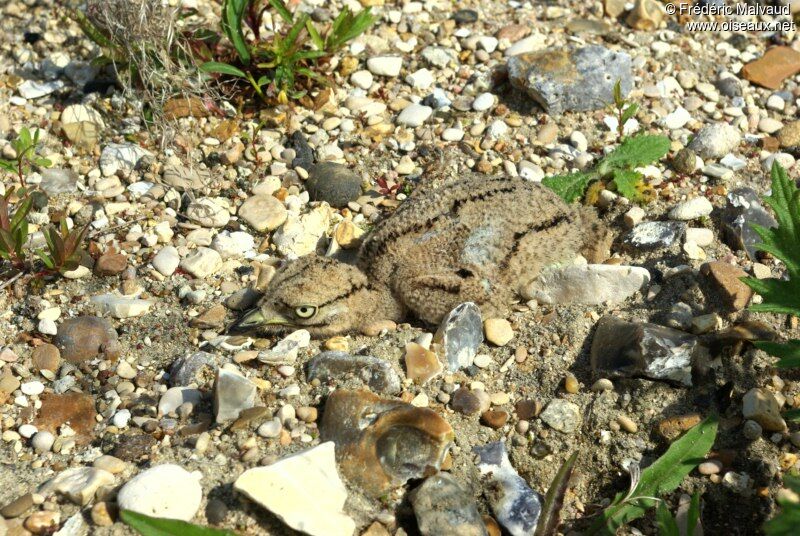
x=618, y=166
x=63, y=247
x=624, y=109
x=554, y=499
x=670, y=526
x=14, y=228
x=154, y=526
x=24, y=146
x=663, y=476
x=787, y=521
x=781, y=296
x=276, y=66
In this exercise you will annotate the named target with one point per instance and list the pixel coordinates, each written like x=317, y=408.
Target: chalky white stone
x=166, y=490
x=304, y=490
x=589, y=284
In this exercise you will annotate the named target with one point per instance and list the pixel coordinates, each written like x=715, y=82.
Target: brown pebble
x=571, y=384
x=421, y=364
x=492, y=528
x=727, y=279
x=627, y=424
x=710, y=467
x=376, y=529
x=18, y=506
x=464, y=401
x=46, y=357
x=307, y=413
x=494, y=418
x=111, y=264
x=528, y=409
x=671, y=427
x=338, y=343
x=375, y=328
x=42, y=522
x=103, y=514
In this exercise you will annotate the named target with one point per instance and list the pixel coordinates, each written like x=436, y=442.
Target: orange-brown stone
x=74, y=409
x=771, y=69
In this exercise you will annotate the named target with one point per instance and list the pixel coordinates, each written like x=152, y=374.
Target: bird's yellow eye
x=305, y=311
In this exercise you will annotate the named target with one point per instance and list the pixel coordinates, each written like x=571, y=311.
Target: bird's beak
x=256, y=318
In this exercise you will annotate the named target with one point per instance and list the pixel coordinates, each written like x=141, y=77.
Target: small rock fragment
x=443, y=508
x=459, y=336
x=167, y=491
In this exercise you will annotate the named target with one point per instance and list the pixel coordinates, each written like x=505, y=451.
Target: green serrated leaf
x=634, y=152
x=153, y=526
x=663, y=476
x=569, y=187
x=628, y=183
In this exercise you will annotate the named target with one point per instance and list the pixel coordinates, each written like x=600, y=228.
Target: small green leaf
x=232, y=15
x=629, y=112
x=222, y=68
x=667, y=526
x=154, y=526
x=634, y=152
x=316, y=38
x=628, y=182
x=663, y=476
x=569, y=187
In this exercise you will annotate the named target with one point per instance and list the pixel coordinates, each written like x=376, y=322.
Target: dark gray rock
x=571, y=79
x=729, y=86
x=186, y=370
x=655, y=235
x=344, y=369
x=59, y=181
x=741, y=212
x=515, y=505
x=334, y=183
x=304, y=153
x=443, y=508
x=629, y=349
x=465, y=16
x=460, y=335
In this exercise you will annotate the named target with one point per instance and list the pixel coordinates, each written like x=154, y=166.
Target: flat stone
x=761, y=406
x=628, y=349
x=46, y=357
x=652, y=235
x=590, y=284
x=775, y=66
x=30, y=89
x=439, y=57
x=422, y=365
x=562, y=415
x=189, y=368
x=726, y=279
x=263, y=212
x=111, y=264
x=75, y=409
x=166, y=261
x=183, y=178
x=289, y=487
x=57, y=181
x=165, y=491
x=742, y=211
x=397, y=443
x=459, y=336
x=302, y=235
x=691, y=209
x=515, y=505
x=716, y=140
x=333, y=183
x=85, y=337
x=344, y=369
x=121, y=157
x=78, y=484
x=235, y=244
x=414, y=115
x=385, y=65
x=208, y=213
x=174, y=397
x=233, y=393
x=571, y=79
x=211, y=318
x=120, y=306
x=443, y=508
x=202, y=262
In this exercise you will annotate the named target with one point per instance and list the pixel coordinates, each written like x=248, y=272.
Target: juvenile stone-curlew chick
x=480, y=239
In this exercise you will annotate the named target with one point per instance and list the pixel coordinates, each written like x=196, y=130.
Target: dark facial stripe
x=535, y=228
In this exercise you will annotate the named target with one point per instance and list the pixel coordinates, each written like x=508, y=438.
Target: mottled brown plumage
x=478, y=239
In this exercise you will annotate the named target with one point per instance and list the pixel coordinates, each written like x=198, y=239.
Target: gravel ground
x=179, y=227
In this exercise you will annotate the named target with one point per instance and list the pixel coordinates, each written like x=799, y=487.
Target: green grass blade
x=232, y=15
x=316, y=38
x=663, y=476
x=222, y=68
x=554, y=499
x=153, y=526
x=693, y=515
x=282, y=10
x=667, y=526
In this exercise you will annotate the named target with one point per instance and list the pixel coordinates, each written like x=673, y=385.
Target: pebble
x=691, y=209
x=414, y=115
x=562, y=415
x=715, y=140
x=263, y=212
x=42, y=442
x=202, y=262
x=362, y=79
x=166, y=490
x=333, y=183
x=443, y=508
x=498, y=331
x=421, y=79
x=571, y=384
x=483, y=102
x=46, y=357
x=587, y=284
x=761, y=406
x=288, y=486
x=627, y=424
x=166, y=261
x=385, y=65
x=459, y=336
x=710, y=467
x=603, y=384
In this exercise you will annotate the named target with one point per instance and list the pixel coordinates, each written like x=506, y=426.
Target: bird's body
x=479, y=239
